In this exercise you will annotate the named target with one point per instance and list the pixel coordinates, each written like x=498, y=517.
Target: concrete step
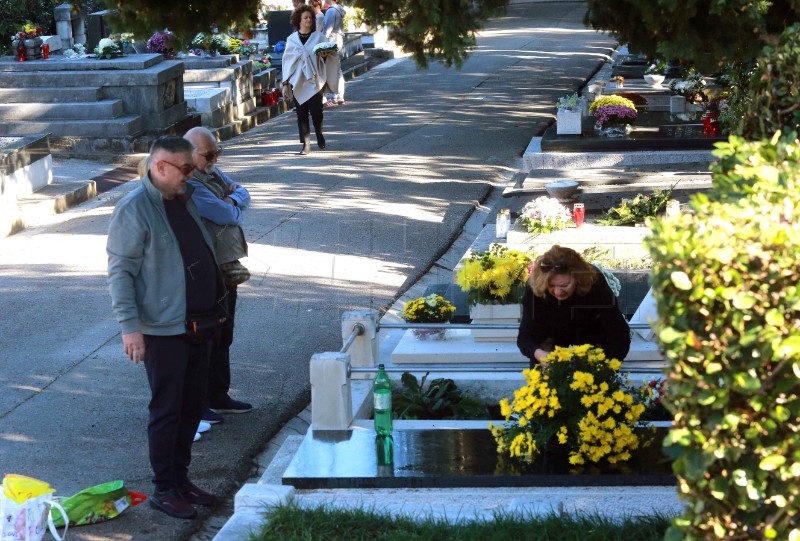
x=51, y=95
x=122, y=126
x=105, y=109
x=41, y=206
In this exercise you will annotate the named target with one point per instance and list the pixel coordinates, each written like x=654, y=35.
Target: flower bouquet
x=243, y=47
x=160, y=42
x=578, y=402
x=107, y=49
x=544, y=215
x=326, y=48
x=494, y=277
x=613, y=112
x=29, y=31
x=692, y=87
x=638, y=209
x=651, y=395
x=570, y=103
x=617, y=81
x=431, y=309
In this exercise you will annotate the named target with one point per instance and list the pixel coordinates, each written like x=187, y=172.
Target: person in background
x=319, y=16
x=568, y=302
x=162, y=274
x=306, y=73
x=221, y=203
x=333, y=28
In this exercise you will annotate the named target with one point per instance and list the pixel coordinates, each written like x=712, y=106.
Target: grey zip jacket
x=145, y=267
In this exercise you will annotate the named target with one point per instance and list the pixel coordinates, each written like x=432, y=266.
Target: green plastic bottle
x=382, y=396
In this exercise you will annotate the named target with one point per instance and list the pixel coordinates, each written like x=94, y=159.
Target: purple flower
x=615, y=114
x=159, y=42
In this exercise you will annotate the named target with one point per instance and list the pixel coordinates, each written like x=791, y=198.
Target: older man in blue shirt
x=221, y=203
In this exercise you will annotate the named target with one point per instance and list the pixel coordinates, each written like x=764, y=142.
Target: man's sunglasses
x=211, y=155
x=546, y=266
x=186, y=170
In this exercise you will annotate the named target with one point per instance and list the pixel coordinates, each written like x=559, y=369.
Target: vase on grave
x=33, y=48
x=615, y=130
x=429, y=334
x=568, y=123
x=495, y=313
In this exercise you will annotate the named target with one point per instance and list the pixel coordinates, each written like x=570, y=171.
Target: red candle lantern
x=264, y=98
x=276, y=93
x=45, y=51
x=22, y=53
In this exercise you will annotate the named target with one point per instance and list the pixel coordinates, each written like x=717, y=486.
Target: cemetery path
x=410, y=156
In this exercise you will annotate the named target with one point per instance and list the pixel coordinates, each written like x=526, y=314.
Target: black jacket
x=593, y=318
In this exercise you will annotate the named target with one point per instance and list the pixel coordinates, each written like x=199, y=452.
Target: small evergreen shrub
x=726, y=280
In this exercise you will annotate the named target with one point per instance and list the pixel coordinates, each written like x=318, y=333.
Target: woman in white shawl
x=306, y=74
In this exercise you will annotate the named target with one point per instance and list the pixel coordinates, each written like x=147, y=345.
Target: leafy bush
x=441, y=400
x=769, y=100
x=726, y=281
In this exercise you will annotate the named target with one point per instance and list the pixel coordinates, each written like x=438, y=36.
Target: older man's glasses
x=210, y=155
x=186, y=170
x=547, y=266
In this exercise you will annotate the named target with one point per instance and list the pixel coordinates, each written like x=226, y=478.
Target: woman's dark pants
x=313, y=107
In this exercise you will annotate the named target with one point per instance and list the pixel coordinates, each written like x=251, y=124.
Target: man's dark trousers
x=177, y=371
x=219, y=372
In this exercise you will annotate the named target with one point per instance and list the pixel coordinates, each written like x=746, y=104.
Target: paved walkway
x=409, y=158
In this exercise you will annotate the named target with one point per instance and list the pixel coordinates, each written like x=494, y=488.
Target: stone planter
x=653, y=79
x=495, y=313
x=568, y=123
x=34, y=48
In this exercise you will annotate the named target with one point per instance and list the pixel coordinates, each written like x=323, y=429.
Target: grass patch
x=325, y=523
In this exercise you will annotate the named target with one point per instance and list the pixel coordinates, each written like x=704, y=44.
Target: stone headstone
x=96, y=29
x=279, y=26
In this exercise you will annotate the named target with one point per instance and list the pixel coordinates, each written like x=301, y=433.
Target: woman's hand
x=540, y=355
x=286, y=89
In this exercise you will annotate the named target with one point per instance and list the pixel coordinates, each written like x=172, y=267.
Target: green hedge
x=726, y=280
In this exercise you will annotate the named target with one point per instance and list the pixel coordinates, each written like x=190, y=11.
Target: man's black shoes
x=172, y=503
x=196, y=495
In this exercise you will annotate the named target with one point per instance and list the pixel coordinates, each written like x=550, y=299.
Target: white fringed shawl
x=307, y=72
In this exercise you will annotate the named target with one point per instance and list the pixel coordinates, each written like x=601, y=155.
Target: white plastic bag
x=26, y=521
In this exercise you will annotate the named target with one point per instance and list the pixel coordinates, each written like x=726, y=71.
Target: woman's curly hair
x=297, y=14
x=562, y=260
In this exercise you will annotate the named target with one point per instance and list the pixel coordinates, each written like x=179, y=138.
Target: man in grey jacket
x=221, y=203
x=163, y=281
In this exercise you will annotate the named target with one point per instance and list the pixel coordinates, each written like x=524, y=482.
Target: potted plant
x=691, y=88
x=160, y=43
x=654, y=74
x=30, y=37
x=613, y=115
x=495, y=282
x=544, y=215
x=576, y=403
x=618, y=81
x=568, y=115
x=431, y=309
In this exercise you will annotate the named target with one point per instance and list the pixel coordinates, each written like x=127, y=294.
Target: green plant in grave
x=638, y=209
x=726, y=282
x=442, y=399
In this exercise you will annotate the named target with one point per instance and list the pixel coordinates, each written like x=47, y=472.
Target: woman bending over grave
x=306, y=73
x=568, y=302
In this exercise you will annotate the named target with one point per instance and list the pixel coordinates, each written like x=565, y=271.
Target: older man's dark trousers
x=177, y=371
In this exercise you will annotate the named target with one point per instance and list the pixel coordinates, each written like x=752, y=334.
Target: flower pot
x=429, y=334
x=33, y=48
x=653, y=79
x=615, y=130
x=495, y=313
x=568, y=123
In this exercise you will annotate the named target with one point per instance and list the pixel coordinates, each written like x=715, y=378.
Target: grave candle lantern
x=22, y=54
x=45, y=51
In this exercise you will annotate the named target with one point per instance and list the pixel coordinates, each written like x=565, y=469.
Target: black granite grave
x=651, y=131
x=279, y=26
x=458, y=458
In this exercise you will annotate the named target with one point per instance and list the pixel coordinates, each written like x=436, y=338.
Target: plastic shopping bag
x=97, y=504
x=25, y=505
